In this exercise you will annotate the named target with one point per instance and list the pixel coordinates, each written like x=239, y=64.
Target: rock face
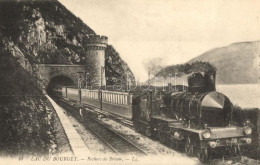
x=37, y=32
x=116, y=68
x=46, y=32
x=236, y=63
x=24, y=113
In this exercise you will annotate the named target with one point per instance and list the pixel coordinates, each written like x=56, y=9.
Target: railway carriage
x=116, y=103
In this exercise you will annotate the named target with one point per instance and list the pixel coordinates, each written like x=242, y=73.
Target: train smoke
x=154, y=65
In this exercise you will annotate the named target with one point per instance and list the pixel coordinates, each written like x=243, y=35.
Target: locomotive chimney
x=210, y=84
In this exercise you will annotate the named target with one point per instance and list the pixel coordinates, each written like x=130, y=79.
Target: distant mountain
x=235, y=64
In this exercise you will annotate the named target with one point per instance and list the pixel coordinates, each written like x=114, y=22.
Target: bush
x=240, y=116
x=197, y=66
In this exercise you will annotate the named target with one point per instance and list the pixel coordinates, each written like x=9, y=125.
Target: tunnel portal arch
x=57, y=82
x=47, y=72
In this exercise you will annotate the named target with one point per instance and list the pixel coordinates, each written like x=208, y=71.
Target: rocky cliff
x=26, y=116
x=46, y=32
x=37, y=32
x=115, y=67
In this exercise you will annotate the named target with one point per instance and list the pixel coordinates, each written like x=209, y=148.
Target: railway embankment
x=77, y=145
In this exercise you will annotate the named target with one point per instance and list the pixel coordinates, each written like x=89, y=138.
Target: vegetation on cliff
x=115, y=67
x=240, y=116
x=186, y=68
x=25, y=115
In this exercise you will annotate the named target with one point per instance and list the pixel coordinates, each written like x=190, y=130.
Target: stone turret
x=95, y=58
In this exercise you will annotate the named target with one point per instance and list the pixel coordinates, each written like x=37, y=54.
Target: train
x=198, y=120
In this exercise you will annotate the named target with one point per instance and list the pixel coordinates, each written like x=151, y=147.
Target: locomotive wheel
x=162, y=137
x=147, y=131
x=239, y=151
x=154, y=133
x=137, y=127
x=188, y=147
x=175, y=145
x=236, y=150
x=203, y=155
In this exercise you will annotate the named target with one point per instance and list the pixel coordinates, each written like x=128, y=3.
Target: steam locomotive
x=199, y=120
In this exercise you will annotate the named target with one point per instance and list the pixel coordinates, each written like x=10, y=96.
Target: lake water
x=243, y=95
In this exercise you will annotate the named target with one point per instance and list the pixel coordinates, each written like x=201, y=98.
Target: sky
x=174, y=31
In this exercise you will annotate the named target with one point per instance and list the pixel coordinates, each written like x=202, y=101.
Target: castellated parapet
x=96, y=39
x=95, y=59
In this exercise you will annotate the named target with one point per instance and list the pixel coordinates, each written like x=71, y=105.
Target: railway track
x=116, y=142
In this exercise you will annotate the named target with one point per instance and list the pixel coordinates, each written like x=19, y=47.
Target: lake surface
x=243, y=95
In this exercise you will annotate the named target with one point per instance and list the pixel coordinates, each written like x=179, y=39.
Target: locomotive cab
x=202, y=82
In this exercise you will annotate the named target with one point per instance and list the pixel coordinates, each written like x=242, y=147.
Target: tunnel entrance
x=56, y=83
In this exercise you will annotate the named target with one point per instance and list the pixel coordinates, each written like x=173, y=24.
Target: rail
x=116, y=142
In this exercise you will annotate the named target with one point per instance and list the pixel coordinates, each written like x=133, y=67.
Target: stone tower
x=95, y=59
